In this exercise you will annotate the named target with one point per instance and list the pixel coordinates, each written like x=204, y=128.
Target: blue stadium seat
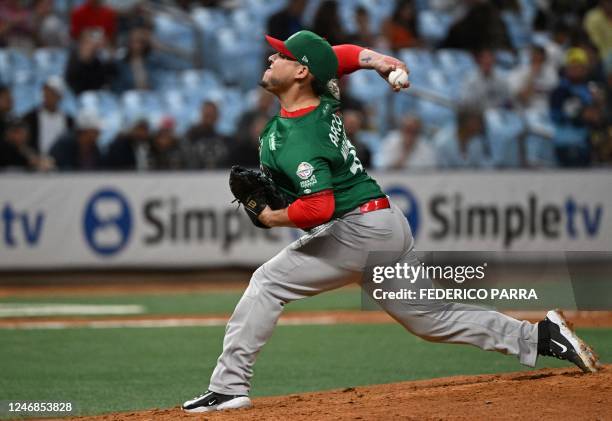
x=240, y=57
x=403, y=103
x=112, y=125
x=137, y=105
x=455, y=63
x=540, y=149
x=106, y=106
x=367, y=86
x=50, y=62
x=250, y=25
x=164, y=80
x=434, y=115
x=16, y=67
x=99, y=101
x=518, y=30
x=69, y=103
x=198, y=83
x=5, y=67
x=309, y=12
x=179, y=106
x=440, y=84
x=231, y=105
x=265, y=8
x=419, y=62
x=63, y=7
x=169, y=30
x=433, y=26
x=379, y=11
x=25, y=97
x=371, y=139
x=208, y=19
x=504, y=129
x=346, y=11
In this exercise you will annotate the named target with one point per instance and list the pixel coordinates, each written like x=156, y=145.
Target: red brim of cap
x=279, y=46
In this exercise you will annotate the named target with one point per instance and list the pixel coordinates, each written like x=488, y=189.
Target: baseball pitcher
x=304, y=150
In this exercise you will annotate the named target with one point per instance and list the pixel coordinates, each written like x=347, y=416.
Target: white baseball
x=398, y=78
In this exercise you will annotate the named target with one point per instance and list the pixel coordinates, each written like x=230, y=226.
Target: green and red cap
x=310, y=50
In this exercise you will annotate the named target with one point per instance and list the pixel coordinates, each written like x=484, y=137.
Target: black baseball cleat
x=556, y=338
x=213, y=401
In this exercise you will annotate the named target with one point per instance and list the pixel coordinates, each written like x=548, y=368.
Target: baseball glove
x=254, y=190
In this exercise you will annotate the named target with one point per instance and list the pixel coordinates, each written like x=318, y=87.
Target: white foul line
x=56, y=309
x=152, y=323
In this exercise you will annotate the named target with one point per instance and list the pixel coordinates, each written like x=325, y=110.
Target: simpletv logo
x=445, y=216
x=20, y=227
x=107, y=222
x=168, y=221
x=455, y=217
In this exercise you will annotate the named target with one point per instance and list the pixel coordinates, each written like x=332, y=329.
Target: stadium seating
x=50, y=62
x=104, y=104
x=505, y=130
x=433, y=26
x=233, y=58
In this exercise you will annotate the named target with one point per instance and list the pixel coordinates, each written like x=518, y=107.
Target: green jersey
x=311, y=153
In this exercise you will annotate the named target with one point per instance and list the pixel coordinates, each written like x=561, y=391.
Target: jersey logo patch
x=304, y=170
x=309, y=183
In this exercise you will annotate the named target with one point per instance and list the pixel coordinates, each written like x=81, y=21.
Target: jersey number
x=346, y=147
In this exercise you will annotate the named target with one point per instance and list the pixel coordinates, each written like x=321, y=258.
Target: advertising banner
x=175, y=220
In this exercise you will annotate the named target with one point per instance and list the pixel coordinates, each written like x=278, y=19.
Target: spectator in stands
x=50, y=30
x=573, y=110
x=481, y=27
x=131, y=14
x=602, y=137
x=349, y=102
x=462, y=146
x=554, y=42
x=78, y=150
x=93, y=14
x=327, y=23
x=530, y=84
x=16, y=150
x=246, y=149
x=16, y=25
x=288, y=21
x=353, y=126
x=131, y=150
x=6, y=107
x=485, y=87
x=407, y=148
x=136, y=66
x=203, y=146
x=90, y=66
x=165, y=151
x=598, y=24
x=364, y=35
x=265, y=107
x=48, y=122
x=401, y=28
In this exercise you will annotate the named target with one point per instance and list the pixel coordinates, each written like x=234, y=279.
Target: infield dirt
x=546, y=394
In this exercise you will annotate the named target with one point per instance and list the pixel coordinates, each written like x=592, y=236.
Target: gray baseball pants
x=333, y=255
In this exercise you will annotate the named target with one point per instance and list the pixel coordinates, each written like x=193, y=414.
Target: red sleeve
x=312, y=210
x=348, y=58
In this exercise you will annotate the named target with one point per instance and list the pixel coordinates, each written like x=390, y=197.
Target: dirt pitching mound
x=547, y=394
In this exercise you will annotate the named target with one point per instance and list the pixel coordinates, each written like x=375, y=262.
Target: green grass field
x=107, y=370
